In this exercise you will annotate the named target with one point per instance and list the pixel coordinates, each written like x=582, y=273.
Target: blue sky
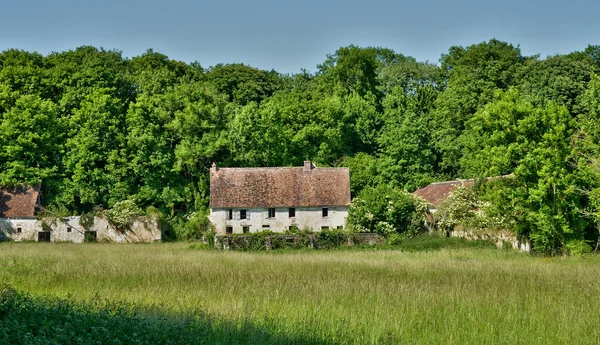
x=288, y=36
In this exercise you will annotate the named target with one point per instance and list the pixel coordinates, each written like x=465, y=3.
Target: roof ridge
x=256, y=168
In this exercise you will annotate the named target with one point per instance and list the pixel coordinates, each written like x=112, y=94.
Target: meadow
x=175, y=293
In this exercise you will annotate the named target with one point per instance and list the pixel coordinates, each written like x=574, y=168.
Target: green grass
x=358, y=296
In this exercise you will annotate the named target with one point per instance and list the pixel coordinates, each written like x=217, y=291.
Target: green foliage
x=329, y=239
x=510, y=135
x=385, y=211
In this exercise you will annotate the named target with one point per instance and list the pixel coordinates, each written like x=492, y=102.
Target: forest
x=95, y=129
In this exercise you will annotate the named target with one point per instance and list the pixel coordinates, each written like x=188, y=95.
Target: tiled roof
x=18, y=202
x=306, y=186
x=437, y=192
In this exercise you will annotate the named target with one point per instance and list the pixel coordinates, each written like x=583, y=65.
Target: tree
x=30, y=142
x=511, y=136
x=475, y=73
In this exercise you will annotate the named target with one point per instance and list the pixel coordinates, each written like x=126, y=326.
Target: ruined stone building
x=248, y=200
x=20, y=221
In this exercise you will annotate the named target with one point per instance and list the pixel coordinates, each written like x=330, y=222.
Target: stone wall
x=69, y=229
x=500, y=238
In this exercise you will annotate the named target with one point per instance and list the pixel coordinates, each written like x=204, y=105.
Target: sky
x=288, y=36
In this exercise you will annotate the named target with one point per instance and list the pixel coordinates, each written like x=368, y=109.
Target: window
x=325, y=227
x=292, y=212
x=339, y=227
x=229, y=230
x=243, y=214
x=266, y=226
x=229, y=214
x=325, y=212
x=246, y=229
x=271, y=213
x=19, y=230
x=69, y=229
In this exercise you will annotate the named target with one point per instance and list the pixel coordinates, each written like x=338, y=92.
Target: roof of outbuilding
x=19, y=201
x=437, y=192
x=279, y=187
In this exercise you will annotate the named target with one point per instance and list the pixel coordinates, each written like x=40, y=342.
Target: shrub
x=386, y=211
x=327, y=239
x=123, y=213
x=195, y=226
x=463, y=207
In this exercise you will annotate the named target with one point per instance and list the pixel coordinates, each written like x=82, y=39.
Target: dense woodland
x=96, y=128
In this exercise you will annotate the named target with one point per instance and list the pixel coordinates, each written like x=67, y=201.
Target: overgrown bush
x=123, y=213
x=463, y=207
x=328, y=239
x=386, y=210
x=195, y=226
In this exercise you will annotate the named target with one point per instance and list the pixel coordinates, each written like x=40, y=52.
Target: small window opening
x=229, y=230
x=325, y=212
x=69, y=229
x=266, y=226
x=19, y=230
x=243, y=214
x=246, y=229
x=271, y=213
x=292, y=212
x=229, y=214
x=339, y=227
x=324, y=227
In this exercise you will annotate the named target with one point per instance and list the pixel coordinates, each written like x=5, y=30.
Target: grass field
x=171, y=293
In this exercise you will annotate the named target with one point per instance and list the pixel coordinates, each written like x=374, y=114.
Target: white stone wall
x=69, y=230
x=257, y=219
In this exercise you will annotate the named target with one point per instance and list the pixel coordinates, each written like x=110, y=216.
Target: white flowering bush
x=123, y=213
x=463, y=207
x=386, y=211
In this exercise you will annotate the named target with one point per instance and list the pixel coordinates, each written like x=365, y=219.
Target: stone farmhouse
x=19, y=221
x=249, y=200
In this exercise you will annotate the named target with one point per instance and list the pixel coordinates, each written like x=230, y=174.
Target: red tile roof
x=19, y=202
x=279, y=187
x=437, y=192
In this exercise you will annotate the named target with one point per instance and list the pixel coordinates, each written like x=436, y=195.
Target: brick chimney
x=308, y=166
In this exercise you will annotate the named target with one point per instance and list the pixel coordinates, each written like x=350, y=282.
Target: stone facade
x=69, y=229
x=257, y=219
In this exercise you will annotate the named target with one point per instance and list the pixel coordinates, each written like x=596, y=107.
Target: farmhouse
x=248, y=200
x=21, y=221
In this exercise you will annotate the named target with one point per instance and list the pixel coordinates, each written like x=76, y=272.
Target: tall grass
x=460, y=296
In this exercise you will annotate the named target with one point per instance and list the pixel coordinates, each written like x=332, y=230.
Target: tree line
x=95, y=128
